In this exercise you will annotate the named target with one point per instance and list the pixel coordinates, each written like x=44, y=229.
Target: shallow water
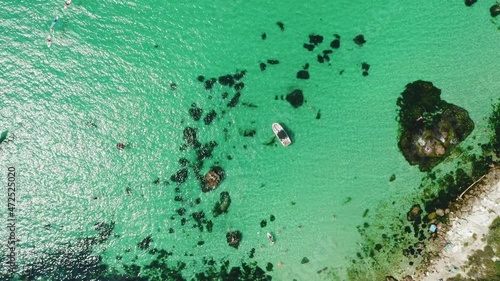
x=106, y=79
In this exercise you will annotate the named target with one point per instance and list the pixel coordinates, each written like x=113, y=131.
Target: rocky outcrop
x=429, y=127
x=212, y=179
x=234, y=238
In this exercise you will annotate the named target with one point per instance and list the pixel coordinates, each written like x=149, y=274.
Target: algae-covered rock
x=429, y=127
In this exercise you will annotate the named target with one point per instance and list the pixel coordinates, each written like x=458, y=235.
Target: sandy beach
x=470, y=218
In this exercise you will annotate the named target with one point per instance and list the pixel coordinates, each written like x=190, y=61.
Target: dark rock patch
x=365, y=66
x=180, y=211
x=238, y=86
x=200, y=243
x=269, y=266
x=251, y=105
x=224, y=95
x=272, y=217
x=469, y=3
x=210, y=83
x=180, y=176
x=273, y=61
x=144, y=244
x=252, y=253
x=223, y=205
x=226, y=80
x=318, y=114
x=190, y=137
x=120, y=146
x=183, y=162
x=281, y=25
x=209, y=225
x=303, y=74
x=234, y=238
x=234, y=100
x=210, y=117
x=262, y=66
x=495, y=10
x=263, y=36
x=304, y=260
x=315, y=39
x=335, y=44
x=359, y=40
x=249, y=133
x=239, y=75
x=200, y=78
x=429, y=127
x=263, y=223
x=309, y=47
x=295, y=98
x=173, y=86
x=195, y=112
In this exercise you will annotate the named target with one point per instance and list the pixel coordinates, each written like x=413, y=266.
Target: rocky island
x=429, y=127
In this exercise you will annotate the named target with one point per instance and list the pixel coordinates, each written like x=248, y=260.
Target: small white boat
x=270, y=237
x=281, y=134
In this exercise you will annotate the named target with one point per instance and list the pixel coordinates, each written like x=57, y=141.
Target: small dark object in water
x=195, y=112
x=393, y=177
x=309, y=47
x=365, y=73
x=234, y=101
x=226, y=80
x=281, y=25
x=262, y=66
x=210, y=83
x=365, y=66
x=190, y=137
x=209, y=225
x=120, y=146
x=335, y=44
x=210, y=117
x=318, y=115
x=359, y=40
x=180, y=211
x=469, y=3
x=144, y=244
x=304, y=260
x=156, y=181
x=171, y=230
x=306, y=66
x=321, y=59
x=303, y=74
x=239, y=75
x=270, y=141
x=252, y=253
x=178, y=198
x=197, y=201
x=251, y=105
x=183, y=162
x=238, y=86
x=273, y=61
x=224, y=95
x=272, y=218
x=200, y=243
x=269, y=266
x=263, y=223
x=495, y=10
x=264, y=36
x=173, y=86
x=295, y=98
x=249, y=133
x=234, y=238
x=315, y=39
x=223, y=205
x=200, y=78
x=156, y=46
x=180, y=176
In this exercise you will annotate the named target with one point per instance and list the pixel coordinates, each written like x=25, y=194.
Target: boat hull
x=281, y=134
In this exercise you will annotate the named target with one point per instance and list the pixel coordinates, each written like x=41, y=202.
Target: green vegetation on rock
x=429, y=127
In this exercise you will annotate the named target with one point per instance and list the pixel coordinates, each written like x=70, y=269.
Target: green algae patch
x=429, y=127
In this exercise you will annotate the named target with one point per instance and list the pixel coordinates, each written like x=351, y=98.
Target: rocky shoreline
x=469, y=220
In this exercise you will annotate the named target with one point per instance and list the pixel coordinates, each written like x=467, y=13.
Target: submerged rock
x=180, y=176
x=495, y=10
x=414, y=213
x=223, y=205
x=195, y=112
x=234, y=100
x=234, y=238
x=295, y=98
x=303, y=74
x=469, y=3
x=190, y=137
x=210, y=117
x=281, y=25
x=359, y=40
x=429, y=126
x=212, y=179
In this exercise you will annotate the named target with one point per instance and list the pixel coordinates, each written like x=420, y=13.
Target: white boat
x=281, y=134
x=270, y=237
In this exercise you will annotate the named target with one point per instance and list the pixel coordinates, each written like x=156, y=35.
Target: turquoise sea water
x=107, y=77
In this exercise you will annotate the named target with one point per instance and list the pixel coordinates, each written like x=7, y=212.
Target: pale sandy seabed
x=470, y=218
